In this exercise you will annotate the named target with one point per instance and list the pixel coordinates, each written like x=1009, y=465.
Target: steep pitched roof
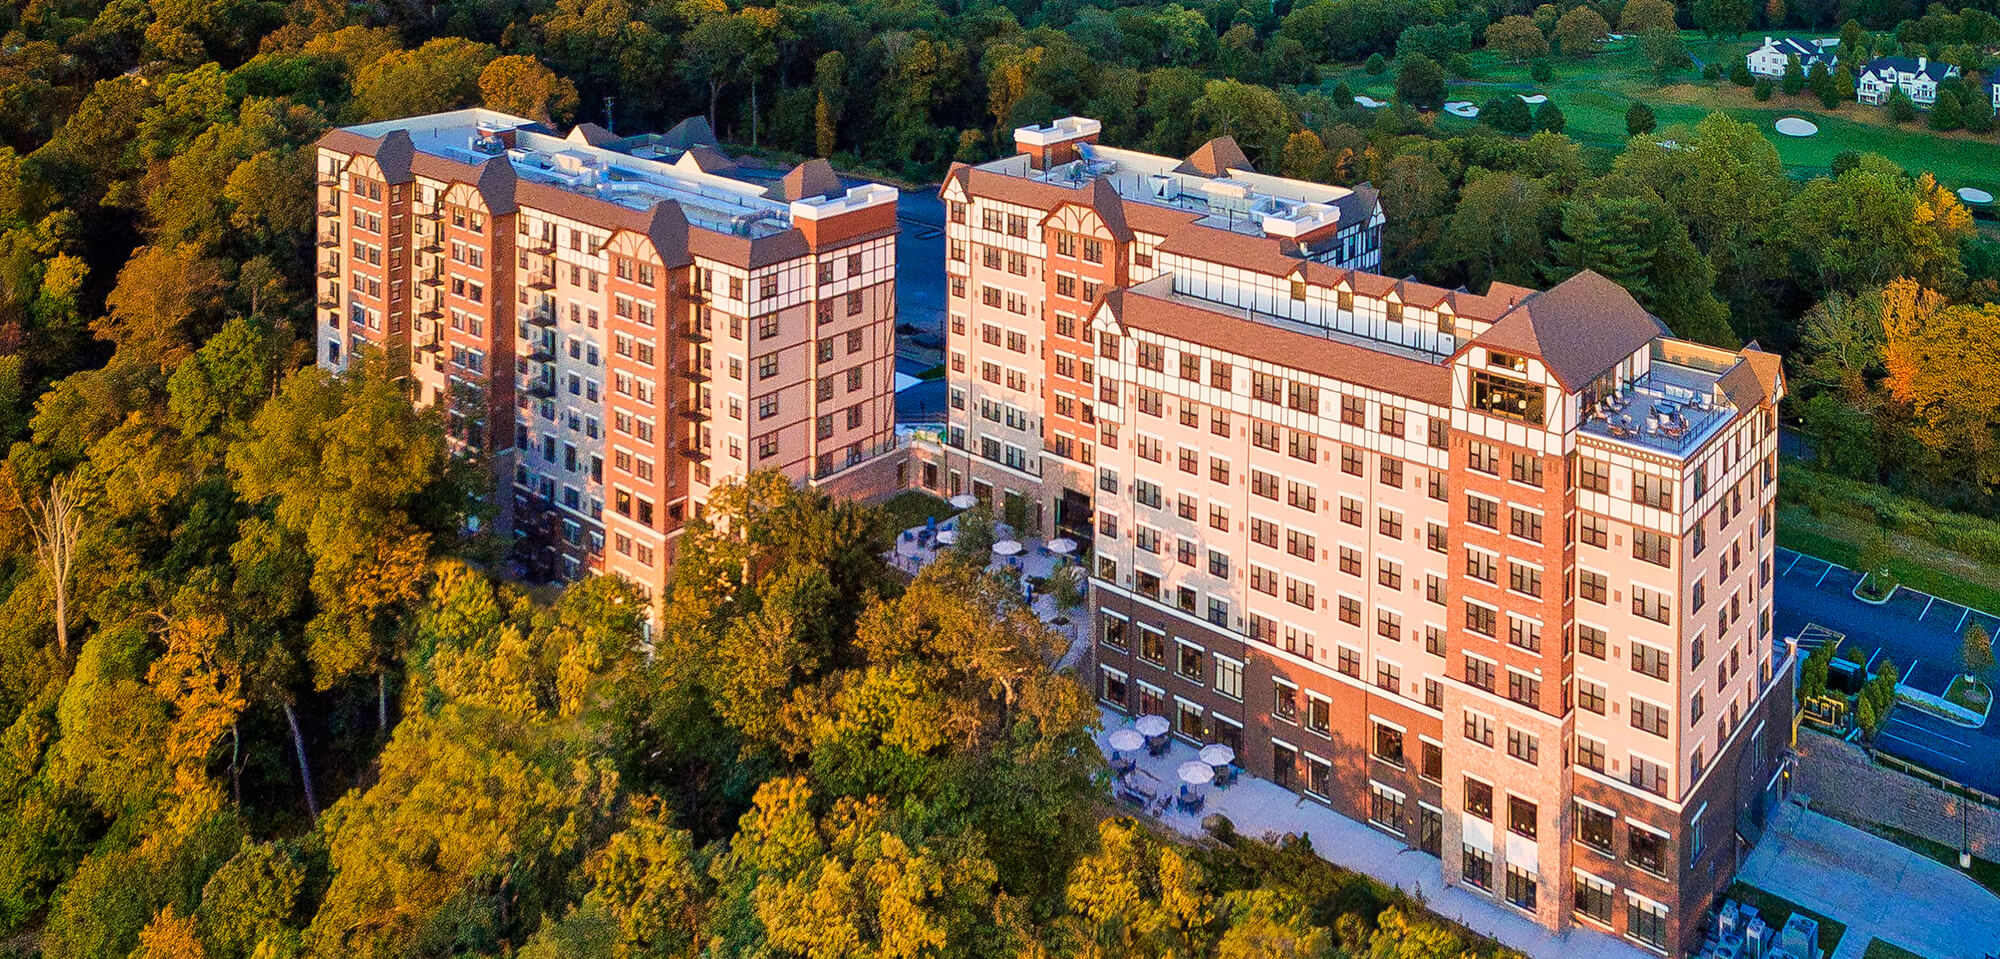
x=1149, y=307
x=813, y=178
x=593, y=135
x=668, y=229
x=496, y=182
x=1896, y=66
x=1103, y=200
x=393, y=156
x=1579, y=328
x=691, y=132
x=1216, y=158
x=708, y=159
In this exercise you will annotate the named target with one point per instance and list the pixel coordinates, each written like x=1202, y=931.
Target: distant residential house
x=1769, y=60
x=1993, y=94
x=1918, y=77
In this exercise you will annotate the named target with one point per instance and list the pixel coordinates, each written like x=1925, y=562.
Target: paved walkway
x=1258, y=808
x=1878, y=888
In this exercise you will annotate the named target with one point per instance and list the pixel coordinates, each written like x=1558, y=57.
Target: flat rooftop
x=1217, y=183
x=634, y=172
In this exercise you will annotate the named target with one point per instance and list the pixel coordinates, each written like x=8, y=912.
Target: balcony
x=696, y=374
x=695, y=333
x=433, y=279
x=696, y=454
x=543, y=282
x=329, y=241
x=540, y=246
x=329, y=179
x=695, y=414
x=329, y=209
x=543, y=316
x=540, y=389
x=540, y=353
x=329, y=301
x=329, y=271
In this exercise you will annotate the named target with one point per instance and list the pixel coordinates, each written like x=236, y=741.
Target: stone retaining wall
x=1843, y=781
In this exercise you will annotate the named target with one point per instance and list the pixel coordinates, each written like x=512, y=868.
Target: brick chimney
x=1055, y=144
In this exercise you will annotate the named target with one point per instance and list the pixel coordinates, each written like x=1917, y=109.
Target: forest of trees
x=257, y=698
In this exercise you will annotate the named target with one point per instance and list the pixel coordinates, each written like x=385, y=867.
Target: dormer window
x=1507, y=361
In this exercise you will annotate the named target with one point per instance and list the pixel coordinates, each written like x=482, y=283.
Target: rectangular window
x=1524, y=746
x=1477, y=868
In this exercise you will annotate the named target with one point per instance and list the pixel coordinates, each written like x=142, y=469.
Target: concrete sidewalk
x=1878, y=888
x=1259, y=809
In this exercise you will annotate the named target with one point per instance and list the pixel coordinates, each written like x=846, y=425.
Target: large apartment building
x=615, y=324
x=1489, y=572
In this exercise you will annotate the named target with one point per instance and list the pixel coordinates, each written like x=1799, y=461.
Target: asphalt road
x=1917, y=632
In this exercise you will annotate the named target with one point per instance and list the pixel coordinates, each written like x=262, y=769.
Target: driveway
x=1916, y=631
x=1878, y=888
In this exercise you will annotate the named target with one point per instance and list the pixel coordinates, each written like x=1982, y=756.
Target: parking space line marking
x=1869, y=666
x=1956, y=759
x=1795, y=561
x=1822, y=575
x=1961, y=621
x=1931, y=732
x=1927, y=609
x=1911, y=670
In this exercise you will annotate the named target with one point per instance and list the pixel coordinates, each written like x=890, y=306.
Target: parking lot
x=1916, y=631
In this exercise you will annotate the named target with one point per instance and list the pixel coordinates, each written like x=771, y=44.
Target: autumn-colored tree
x=1581, y=30
x=522, y=85
x=1518, y=38
x=1646, y=16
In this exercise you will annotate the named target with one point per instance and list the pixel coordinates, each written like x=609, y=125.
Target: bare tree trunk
x=382, y=700
x=57, y=524
x=237, y=770
x=714, y=94
x=305, y=770
x=753, y=112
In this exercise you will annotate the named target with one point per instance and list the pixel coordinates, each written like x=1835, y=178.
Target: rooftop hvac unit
x=1757, y=938
x=488, y=144
x=1164, y=187
x=1800, y=936
x=1726, y=918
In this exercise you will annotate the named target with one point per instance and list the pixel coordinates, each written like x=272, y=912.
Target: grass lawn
x=1775, y=911
x=1943, y=573
x=1595, y=93
x=1884, y=949
x=1969, y=693
x=910, y=508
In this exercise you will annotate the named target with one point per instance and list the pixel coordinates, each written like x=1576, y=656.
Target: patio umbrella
x=1194, y=772
x=1216, y=754
x=1007, y=547
x=962, y=501
x=947, y=537
x=1151, y=725
x=1126, y=740
x=1062, y=546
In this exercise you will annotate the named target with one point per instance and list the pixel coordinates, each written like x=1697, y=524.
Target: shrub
x=1541, y=71
x=1948, y=113
x=1762, y=89
x=1739, y=74
x=1978, y=119
x=1508, y=114
x=1376, y=65
x=1901, y=110
x=1712, y=71
x=1459, y=65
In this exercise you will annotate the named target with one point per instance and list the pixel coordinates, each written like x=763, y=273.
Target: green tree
x=1794, y=79
x=1419, y=83
x=1873, y=560
x=1976, y=650
x=1762, y=89
x=1813, y=673
x=1376, y=65
x=1719, y=18
x=1639, y=119
x=443, y=74
x=1549, y=118
x=1948, y=112
x=1500, y=229
x=1305, y=157
x=1507, y=113
x=1646, y=16
x=1580, y=31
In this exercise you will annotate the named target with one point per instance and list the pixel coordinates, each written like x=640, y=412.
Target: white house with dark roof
x=1917, y=76
x=1992, y=88
x=1769, y=60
